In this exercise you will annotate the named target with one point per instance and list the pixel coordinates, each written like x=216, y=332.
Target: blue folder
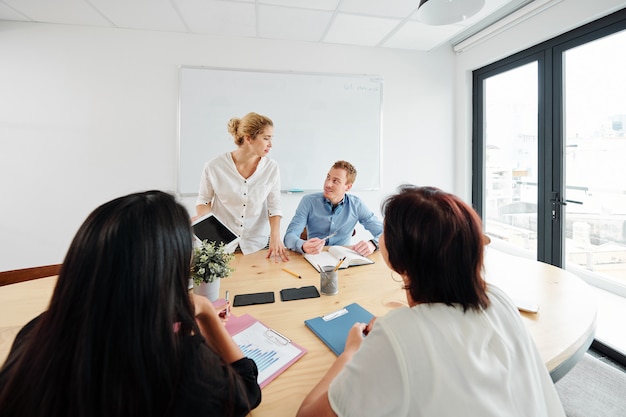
x=333, y=328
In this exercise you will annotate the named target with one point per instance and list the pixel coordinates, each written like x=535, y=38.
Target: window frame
x=551, y=181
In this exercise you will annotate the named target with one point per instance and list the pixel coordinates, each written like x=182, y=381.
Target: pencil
x=292, y=273
x=339, y=264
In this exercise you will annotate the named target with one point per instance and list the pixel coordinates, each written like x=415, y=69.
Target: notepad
x=333, y=328
x=332, y=256
x=272, y=351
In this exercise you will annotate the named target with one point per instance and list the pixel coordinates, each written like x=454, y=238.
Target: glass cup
x=328, y=281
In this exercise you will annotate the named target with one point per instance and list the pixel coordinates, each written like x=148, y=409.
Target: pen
x=339, y=264
x=368, y=327
x=227, y=306
x=329, y=236
x=292, y=273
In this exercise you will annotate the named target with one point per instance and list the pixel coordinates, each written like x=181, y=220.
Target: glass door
x=511, y=155
x=595, y=157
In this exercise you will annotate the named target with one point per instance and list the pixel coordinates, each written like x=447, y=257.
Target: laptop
x=209, y=227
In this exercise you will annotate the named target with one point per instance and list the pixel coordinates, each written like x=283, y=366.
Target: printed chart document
x=332, y=256
x=272, y=352
x=333, y=328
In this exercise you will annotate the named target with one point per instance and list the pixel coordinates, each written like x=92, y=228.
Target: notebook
x=333, y=328
x=209, y=227
x=332, y=256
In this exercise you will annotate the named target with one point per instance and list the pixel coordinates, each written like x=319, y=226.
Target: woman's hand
x=223, y=310
x=214, y=331
x=355, y=337
x=203, y=308
x=316, y=403
x=369, y=326
x=277, y=251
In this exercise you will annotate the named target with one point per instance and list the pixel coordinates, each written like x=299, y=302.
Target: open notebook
x=332, y=256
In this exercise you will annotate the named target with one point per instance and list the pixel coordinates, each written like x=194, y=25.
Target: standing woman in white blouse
x=242, y=187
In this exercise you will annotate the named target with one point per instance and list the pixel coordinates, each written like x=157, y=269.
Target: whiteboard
x=318, y=119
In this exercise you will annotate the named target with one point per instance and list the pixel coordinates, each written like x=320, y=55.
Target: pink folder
x=278, y=360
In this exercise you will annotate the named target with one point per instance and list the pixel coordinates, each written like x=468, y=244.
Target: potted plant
x=210, y=264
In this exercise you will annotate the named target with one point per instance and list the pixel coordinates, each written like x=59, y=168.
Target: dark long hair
x=106, y=345
x=436, y=239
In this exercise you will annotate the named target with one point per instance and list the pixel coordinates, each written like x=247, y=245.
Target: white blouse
x=436, y=360
x=243, y=204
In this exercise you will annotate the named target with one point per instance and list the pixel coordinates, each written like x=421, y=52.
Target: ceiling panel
x=292, y=24
x=359, y=30
x=219, y=17
x=141, y=14
x=376, y=23
x=71, y=12
x=387, y=8
x=327, y=5
x=416, y=35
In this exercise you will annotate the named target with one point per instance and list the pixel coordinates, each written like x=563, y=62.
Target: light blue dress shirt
x=316, y=213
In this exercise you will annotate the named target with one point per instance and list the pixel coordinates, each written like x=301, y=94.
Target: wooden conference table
x=562, y=329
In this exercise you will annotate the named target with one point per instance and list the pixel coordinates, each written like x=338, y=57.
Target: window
x=549, y=151
x=595, y=157
x=510, y=210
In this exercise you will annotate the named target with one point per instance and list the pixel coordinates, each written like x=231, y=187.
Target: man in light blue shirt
x=330, y=216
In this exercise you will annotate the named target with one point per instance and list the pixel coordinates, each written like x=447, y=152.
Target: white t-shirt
x=435, y=360
x=243, y=204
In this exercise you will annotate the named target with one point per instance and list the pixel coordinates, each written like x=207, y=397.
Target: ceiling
x=373, y=23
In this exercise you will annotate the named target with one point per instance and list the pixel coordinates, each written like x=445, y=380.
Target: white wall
x=558, y=19
x=89, y=114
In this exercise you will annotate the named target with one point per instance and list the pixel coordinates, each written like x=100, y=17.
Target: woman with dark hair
x=460, y=348
x=122, y=336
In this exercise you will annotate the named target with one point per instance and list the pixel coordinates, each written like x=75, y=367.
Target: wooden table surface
x=562, y=330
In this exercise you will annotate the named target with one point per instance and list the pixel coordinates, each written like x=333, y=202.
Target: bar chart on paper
x=262, y=359
x=271, y=351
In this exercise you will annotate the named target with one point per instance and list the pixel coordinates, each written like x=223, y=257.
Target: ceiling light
x=445, y=12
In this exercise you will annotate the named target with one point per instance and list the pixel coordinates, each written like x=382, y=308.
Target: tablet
x=209, y=227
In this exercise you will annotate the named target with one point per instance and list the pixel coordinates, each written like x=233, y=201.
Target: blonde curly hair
x=249, y=125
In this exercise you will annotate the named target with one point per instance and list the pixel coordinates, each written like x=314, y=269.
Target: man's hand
x=364, y=248
x=313, y=245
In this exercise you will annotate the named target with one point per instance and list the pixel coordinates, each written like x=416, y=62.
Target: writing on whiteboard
x=361, y=87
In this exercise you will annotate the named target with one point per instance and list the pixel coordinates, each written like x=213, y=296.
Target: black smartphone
x=254, y=298
x=289, y=294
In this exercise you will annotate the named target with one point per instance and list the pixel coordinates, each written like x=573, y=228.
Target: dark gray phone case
x=289, y=294
x=254, y=298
